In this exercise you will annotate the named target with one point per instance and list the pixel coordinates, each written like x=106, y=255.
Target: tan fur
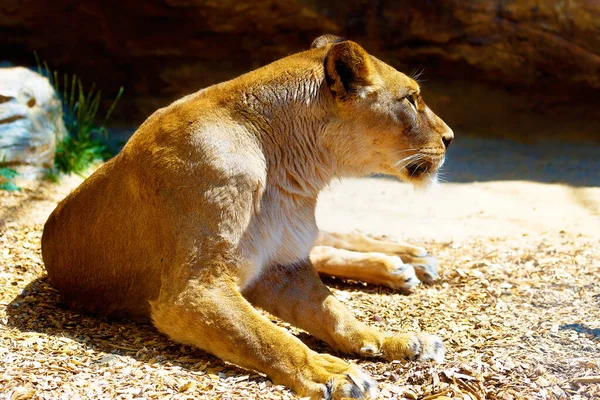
x=355, y=256
x=209, y=211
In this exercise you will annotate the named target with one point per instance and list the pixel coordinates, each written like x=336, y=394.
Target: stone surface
x=30, y=121
x=161, y=49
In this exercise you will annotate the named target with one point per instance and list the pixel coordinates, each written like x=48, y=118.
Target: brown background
x=492, y=58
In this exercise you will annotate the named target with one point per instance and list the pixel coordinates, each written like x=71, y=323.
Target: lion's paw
x=424, y=264
x=336, y=379
x=400, y=276
x=426, y=268
x=354, y=384
x=414, y=346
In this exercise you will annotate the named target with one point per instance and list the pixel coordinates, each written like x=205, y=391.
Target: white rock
x=30, y=121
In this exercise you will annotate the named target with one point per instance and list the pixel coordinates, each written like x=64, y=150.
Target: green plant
x=7, y=176
x=85, y=141
x=52, y=175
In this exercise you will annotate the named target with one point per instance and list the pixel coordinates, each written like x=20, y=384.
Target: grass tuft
x=86, y=140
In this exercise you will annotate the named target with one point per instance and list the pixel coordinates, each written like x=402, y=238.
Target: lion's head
x=381, y=123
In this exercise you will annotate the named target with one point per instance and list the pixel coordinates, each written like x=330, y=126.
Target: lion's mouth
x=417, y=169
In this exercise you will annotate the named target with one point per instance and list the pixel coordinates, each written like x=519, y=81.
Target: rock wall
x=162, y=49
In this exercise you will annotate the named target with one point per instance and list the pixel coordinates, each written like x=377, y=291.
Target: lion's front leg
x=424, y=264
x=297, y=295
x=210, y=313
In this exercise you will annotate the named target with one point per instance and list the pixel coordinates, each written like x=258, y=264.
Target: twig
x=587, y=379
x=468, y=388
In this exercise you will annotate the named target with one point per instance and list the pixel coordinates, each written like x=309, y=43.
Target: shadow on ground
x=488, y=159
x=39, y=309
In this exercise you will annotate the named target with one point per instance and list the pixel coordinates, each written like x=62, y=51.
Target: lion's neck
x=289, y=119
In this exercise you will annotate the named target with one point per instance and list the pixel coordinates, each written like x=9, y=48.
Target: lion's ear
x=348, y=70
x=324, y=40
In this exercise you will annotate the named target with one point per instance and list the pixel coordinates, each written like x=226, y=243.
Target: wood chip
x=519, y=317
x=586, y=379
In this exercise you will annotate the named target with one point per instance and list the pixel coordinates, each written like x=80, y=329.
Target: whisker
x=401, y=167
x=441, y=173
x=440, y=177
x=415, y=170
x=398, y=153
x=408, y=160
x=416, y=74
x=405, y=150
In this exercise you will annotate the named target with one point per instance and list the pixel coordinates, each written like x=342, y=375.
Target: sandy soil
x=495, y=188
x=517, y=304
x=459, y=211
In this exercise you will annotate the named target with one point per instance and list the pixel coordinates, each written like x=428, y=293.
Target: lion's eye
x=411, y=98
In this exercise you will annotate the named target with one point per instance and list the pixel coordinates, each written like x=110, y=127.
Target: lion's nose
x=447, y=138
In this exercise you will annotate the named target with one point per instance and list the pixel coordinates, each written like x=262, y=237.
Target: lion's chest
x=280, y=234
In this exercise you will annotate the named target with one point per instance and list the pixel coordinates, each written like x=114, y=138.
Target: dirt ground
x=517, y=303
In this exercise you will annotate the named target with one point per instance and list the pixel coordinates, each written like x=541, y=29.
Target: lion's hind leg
x=425, y=265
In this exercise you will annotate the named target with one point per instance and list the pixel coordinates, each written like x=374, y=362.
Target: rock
x=531, y=43
x=30, y=121
x=161, y=50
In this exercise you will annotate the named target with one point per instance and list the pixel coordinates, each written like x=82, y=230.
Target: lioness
x=208, y=212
